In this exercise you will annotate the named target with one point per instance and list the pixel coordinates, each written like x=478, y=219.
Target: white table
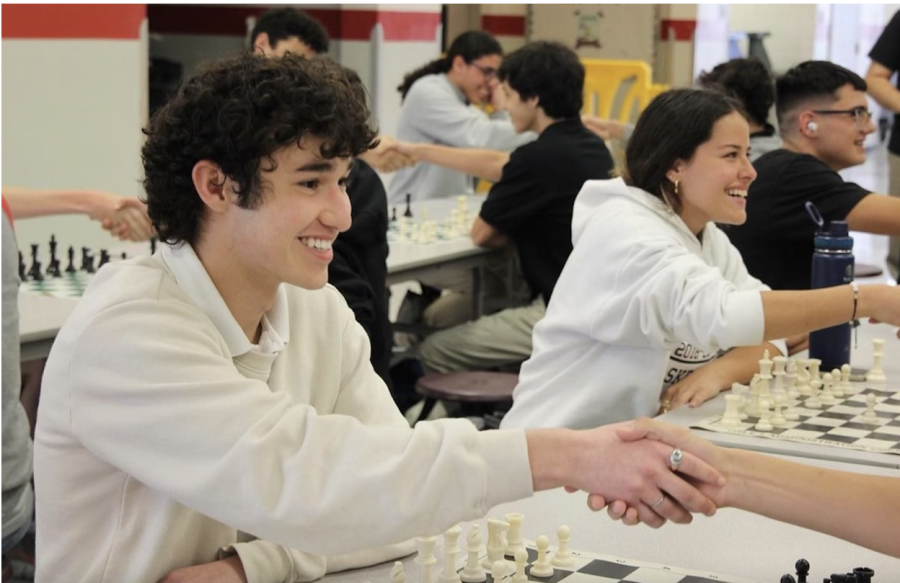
x=41, y=317
x=733, y=542
x=861, y=357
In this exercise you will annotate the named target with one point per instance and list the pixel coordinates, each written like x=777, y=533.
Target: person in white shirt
x=437, y=109
x=210, y=412
x=650, y=274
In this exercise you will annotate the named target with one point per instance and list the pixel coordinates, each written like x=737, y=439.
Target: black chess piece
x=23, y=274
x=89, y=266
x=788, y=578
x=124, y=255
x=52, y=248
x=393, y=214
x=863, y=574
x=802, y=567
x=408, y=212
x=70, y=268
x=35, y=271
x=53, y=270
x=85, y=255
x=104, y=258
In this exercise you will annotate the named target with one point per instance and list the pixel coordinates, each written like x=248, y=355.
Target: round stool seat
x=469, y=387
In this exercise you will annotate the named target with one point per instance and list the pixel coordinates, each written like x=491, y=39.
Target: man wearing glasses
x=824, y=120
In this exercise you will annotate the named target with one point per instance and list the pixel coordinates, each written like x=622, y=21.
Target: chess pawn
x=778, y=418
x=473, y=572
x=814, y=364
x=869, y=416
x=764, y=423
x=790, y=412
x=563, y=557
x=514, y=540
x=732, y=416
x=498, y=570
x=542, y=566
x=813, y=401
x=827, y=398
x=836, y=388
x=521, y=562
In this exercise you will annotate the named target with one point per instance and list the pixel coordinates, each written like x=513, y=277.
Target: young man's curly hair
x=236, y=113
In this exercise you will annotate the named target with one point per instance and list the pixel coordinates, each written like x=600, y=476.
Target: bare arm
x=878, y=78
x=860, y=508
x=486, y=164
x=737, y=366
x=788, y=313
x=877, y=214
x=124, y=217
x=484, y=235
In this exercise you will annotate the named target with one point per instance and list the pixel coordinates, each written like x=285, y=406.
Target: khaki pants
x=893, y=258
x=490, y=341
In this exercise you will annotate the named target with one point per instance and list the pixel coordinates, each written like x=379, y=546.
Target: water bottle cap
x=837, y=238
x=838, y=229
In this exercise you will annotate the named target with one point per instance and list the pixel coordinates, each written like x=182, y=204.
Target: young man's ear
x=459, y=64
x=212, y=186
x=261, y=43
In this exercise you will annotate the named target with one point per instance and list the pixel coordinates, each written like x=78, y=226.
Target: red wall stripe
x=93, y=21
x=503, y=25
x=683, y=29
x=341, y=24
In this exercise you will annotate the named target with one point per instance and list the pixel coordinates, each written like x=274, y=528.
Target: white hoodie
x=637, y=285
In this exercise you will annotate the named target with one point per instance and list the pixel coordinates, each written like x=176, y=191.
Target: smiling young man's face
x=288, y=236
x=839, y=139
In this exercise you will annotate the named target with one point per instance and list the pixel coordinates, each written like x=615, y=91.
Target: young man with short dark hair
x=210, y=412
x=531, y=204
x=823, y=115
x=282, y=30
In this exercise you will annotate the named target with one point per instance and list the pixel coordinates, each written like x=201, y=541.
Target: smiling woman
x=652, y=280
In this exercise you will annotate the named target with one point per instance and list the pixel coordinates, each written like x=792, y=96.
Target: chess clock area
x=857, y=424
x=732, y=547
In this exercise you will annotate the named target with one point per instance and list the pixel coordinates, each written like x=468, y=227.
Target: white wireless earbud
x=812, y=126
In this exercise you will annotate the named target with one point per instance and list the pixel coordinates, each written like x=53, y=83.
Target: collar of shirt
x=193, y=279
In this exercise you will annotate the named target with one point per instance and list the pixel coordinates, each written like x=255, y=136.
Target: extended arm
x=125, y=217
x=877, y=214
x=878, y=78
x=859, y=508
x=486, y=164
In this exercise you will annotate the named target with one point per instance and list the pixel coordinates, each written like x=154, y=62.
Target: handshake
x=390, y=155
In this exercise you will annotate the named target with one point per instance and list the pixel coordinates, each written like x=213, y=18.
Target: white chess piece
x=732, y=416
x=563, y=556
x=876, y=373
x=813, y=401
x=837, y=390
x=845, y=380
x=451, y=549
x=741, y=391
x=398, y=575
x=827, y=397
x=542, y=566
x=764, y=423
x=514, y=541
x=869, y=416
x=814, y=364
x=521, y=563
x=425, y=559
x=496, y=544
x=499, y=570
x=473, y=572
x=803, y=377
x=778, y=419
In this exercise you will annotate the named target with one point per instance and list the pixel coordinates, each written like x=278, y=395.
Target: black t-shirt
x=777, y=240
x=359, y=267
x=886, y=52
x=532, y=203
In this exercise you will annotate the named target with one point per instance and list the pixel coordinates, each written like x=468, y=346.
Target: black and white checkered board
x=838, y=425
x=70, y=285
x=591, y=568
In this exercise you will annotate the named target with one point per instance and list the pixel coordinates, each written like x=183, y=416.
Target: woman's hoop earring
x=676, y=188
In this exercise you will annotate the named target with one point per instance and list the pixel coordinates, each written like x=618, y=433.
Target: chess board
x=70, y=285
x=594, y=568
x=837, y=425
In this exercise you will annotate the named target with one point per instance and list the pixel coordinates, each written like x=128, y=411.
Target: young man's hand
x=228, y=570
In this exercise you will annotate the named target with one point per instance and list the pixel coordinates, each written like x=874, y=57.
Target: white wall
x=72, y=117
x=792, y=28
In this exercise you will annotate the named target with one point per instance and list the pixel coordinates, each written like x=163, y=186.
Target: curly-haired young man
x=210, y=412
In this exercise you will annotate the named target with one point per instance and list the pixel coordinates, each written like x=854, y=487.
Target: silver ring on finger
x=656, y=504
x=675, y=459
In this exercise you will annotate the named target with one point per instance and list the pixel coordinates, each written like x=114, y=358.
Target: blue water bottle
x=832, y=264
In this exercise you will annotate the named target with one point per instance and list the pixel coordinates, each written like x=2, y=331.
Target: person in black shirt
x=824, y=120
x=530, y=204
x=885, y=57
